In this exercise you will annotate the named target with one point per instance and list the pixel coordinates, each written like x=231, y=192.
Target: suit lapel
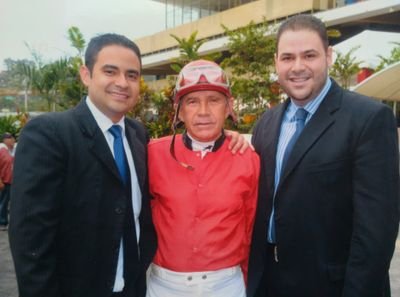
x=138, y=153
x=269, y=142
x=321, y=120
x=95, y=138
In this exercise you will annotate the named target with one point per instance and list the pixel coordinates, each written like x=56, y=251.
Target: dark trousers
x=4, y=200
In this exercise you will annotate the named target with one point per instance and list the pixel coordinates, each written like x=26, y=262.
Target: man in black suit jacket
x=327, y=219
x=70, y=207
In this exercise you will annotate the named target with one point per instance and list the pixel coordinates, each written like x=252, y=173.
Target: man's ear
x=85, y=75
x=229, y=108
x=329, y=56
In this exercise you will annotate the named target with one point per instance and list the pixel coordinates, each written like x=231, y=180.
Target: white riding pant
x=227, y=282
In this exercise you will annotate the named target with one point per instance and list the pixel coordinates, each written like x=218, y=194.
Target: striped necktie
x=300, y=118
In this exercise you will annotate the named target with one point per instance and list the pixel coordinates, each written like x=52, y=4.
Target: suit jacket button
x=118, y=210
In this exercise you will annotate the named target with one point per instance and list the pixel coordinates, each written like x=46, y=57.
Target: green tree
x=11, y=124
x=18, y=77
x=189, y=51
x=77, y=41
x=393, y=58
x=57, y=82
x=39, y=77
x=71, y=87
x=345, y=67
x=155, y=109
x=26, y=71
x=160, y=123
x=251, y=60
x=10, y=78
x=44, y=80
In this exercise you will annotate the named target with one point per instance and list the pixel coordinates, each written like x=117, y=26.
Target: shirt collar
x=195, y=145
x=102, y=120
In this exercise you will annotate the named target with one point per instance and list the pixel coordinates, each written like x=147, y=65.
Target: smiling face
x=114, y=84
x=302, y=64
x=204, y=114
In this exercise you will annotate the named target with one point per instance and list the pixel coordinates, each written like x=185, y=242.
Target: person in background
x=204, y=197
x=328, y=212
x=9, y=143
x=6, y=173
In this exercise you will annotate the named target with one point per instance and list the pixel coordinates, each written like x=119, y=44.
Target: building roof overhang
x=383, y=85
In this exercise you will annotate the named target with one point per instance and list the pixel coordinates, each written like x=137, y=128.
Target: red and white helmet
x=201, y=75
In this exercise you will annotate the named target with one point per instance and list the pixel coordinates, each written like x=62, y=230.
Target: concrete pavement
x=395, y=270
x=8, y=284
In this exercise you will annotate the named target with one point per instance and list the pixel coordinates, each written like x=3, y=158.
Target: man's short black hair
x=7, y=135
x=304, y=22
x=97, y=43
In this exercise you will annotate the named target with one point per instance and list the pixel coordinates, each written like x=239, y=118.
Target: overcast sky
x=43, y=24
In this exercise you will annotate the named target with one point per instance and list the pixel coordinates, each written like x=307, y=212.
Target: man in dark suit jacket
x=73, y=214
x=327, y=219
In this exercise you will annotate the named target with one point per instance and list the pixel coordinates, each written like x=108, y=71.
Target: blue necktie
x=129, y=231
x=300, y=118
x=119, y=153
